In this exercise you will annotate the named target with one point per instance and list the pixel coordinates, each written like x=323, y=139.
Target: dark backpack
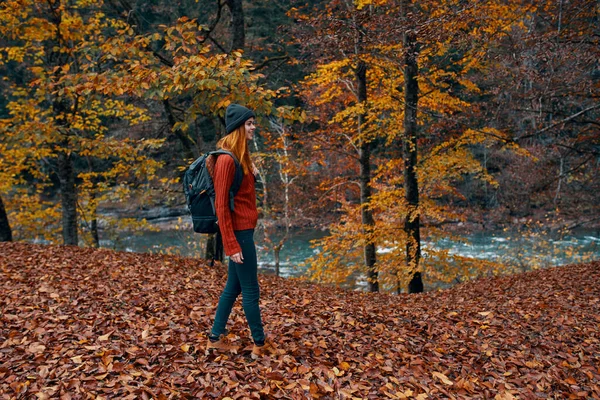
x=200, y=191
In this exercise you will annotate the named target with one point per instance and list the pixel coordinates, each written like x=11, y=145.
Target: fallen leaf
x=77, y=359
x=442, y=377
x=36, y=348
x=328, y=349
x=106, y=337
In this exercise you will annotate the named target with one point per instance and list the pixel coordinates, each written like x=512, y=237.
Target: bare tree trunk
x=95, y=235
x=66, y=177
x=409, y=147
x=219, y=249
x=238, y=30
x=210, y=246
x=94, y=216
x=286, y=181
x=561, y=173
x=560, y=7
x=214, y=247
x=66, y=173
x=68, y=197
x=186, y=141
x=365, y=185
x=276, y=254
x=5, y=231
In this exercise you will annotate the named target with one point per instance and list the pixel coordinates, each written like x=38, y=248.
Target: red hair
x=237, y=143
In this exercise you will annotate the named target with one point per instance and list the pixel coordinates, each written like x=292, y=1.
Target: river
x=497, y=246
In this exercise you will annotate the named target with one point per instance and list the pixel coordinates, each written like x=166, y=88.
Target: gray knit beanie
x=235, y=116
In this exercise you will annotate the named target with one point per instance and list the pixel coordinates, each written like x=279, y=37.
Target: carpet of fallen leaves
x=79, y=323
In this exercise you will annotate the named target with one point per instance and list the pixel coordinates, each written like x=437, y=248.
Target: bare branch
x=338, y=185
x=267, y=61
x=558, y=123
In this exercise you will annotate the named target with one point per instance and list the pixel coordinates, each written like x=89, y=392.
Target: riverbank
x=530, y=247
x=495, y=220
x=83, y=322
x=508, y=248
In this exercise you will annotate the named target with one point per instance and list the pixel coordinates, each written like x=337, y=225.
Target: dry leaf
x=316, y=357
x=106, y=337
x=36, y=348
x=442, y=377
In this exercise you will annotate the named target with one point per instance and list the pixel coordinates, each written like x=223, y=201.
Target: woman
x=237, y=231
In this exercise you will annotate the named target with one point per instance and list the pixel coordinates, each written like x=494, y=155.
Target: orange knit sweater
x=245, y=213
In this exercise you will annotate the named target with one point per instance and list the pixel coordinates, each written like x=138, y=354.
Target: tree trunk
x=5, y=231
x=409, y=147
x=210, y=247
x=214, y=247
x=94, y=216
x=238, y=31
x=68, y=197
x=219, y=249
x=186, y=141
x=276, y=255
x=365, y=184
x=95, y=235
x=66, y=176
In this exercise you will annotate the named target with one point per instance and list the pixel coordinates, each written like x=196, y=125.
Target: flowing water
x=496, y=246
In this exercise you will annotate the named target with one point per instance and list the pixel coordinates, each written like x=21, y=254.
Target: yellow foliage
x=360, y=4
x=36, y=131
x=33, y=218
x=77, y=104
x=445, y=65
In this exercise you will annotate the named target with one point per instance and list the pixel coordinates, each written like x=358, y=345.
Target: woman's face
x=250, y=127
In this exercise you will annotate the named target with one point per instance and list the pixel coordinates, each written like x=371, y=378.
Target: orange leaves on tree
x=448, y=60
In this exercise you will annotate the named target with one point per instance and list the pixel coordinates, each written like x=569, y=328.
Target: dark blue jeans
x=241, y=278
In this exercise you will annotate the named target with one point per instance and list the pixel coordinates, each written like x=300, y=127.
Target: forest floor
x=79, y=323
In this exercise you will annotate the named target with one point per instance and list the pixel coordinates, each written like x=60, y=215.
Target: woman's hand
x=254, y=170
x=237, y=258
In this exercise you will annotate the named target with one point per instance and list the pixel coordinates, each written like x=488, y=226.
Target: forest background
x=387, y=122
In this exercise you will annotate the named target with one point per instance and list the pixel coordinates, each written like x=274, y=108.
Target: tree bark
x=5, y=231
x=95, y=235
x=66, y=176
x=94, y=216
x=368, y=221
x=68, y=197
x=409, y=147
x=214, y=247
x=238, y=29
x=276, y=255
x=219, y=249
x=186, y=141
x=210, y=246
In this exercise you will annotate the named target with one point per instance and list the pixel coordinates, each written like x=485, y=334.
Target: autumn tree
x=340, y=34
x=409, y=146
x=280, y=167
x=422, y=106
x=214, y=36
x=95, y=67
x=61, y=108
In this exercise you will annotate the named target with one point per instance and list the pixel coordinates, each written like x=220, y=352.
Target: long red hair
x=237, y=143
